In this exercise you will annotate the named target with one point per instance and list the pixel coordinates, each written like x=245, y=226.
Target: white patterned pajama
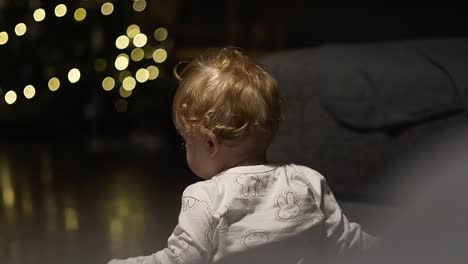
x=267, y=209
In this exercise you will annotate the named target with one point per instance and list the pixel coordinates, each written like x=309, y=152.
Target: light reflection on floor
x=67, y=205
x=72, y=207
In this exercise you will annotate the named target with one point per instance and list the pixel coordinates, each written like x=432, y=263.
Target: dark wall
x=262, y=25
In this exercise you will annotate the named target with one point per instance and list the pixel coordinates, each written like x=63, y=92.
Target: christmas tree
x=73, y=64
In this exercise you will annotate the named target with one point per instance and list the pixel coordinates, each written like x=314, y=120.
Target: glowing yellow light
x=137, y=54
x=159, y=55
x=129, y=83
x=54, y=84
x=39, y=15
x=29, y=91
x=122, y=42
x=140, y=40
x=74, y=75
x=60, y=10
x=153, y=72
x=108, y=83
x=116, y=234
x=122, y=205
x=116, y=225
x=123, y=75
x=124, y=93
x=80, y=14
x=100, y=65
x=132, y=31
x=20, y=29
x=139, y=5
x=142, y=75
x=121, y=105
x=160, y=34
x=9, y=197
x=3, y=38
x=10, y=97
x=6, y=186
x=71, y=219
x=107, y=8
x=121, y=63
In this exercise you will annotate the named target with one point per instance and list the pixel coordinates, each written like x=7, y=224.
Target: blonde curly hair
x=224, y=92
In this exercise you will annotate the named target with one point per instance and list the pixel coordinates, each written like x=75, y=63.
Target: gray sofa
x=354, y=112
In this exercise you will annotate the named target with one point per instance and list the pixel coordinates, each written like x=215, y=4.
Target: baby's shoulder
x=304, y=174
x=303, y=171
x=203, y=189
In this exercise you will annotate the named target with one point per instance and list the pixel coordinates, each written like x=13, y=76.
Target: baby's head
x=227, y=109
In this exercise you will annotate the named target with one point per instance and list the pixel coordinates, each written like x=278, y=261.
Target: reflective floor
x=71, y=205
x=67, y=203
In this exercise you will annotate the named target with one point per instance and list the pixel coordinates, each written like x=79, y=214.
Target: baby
x=227, y=109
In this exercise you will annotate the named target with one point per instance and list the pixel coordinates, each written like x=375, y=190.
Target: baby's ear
x=212, y=143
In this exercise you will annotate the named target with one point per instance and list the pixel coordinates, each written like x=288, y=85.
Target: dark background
x=81, y=182
x=259, y=27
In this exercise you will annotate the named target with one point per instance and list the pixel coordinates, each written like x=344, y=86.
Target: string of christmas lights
x=133, y=47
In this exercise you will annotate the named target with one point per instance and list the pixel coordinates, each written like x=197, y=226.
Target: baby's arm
x=343, y=238
x=189, y=242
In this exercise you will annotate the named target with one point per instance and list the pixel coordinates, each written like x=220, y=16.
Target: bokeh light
x=139, y=5
x=121, y=105
x=124, y=93
x=60, y=10
x=20, y=29
x=122, y=42
x=160, y=34
x=74, y=75
x=153, y=72
x=71, y=220
x=159, y=55
x=121, y=62
x=137, y=54
x=3, y=38
x=140, y=40
x=133, y=30
x=107, y=8
x=54, y=84
x=10, y=97
x=129, y=83
x=29, y=91
x=39, y=15
x=80, y=14
x=142, y=75
x=108, y=84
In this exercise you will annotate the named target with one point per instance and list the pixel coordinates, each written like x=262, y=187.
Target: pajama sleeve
x=190, y=241
x=342, y=237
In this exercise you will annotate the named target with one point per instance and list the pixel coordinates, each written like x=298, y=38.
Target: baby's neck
x=247, y=161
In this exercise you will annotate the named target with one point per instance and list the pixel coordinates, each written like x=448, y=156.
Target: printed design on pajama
x=248, y=185
x=190, y=203
x=255, y=238
x=183, y=248
x=288, y=208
